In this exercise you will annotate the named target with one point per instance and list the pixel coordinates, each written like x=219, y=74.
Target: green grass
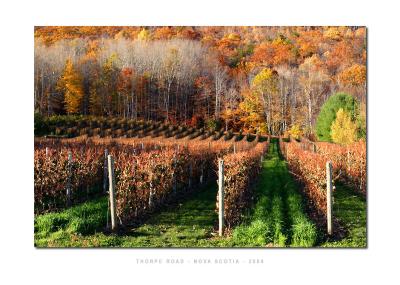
x=87, y=218
x=188, y=224
x=351, y=210
x=278, y=218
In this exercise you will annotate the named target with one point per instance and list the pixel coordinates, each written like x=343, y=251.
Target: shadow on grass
x=349, y=214
x=350, y=208
x=186, y=222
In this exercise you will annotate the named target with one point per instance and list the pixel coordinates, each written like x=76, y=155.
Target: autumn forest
x=256, y=79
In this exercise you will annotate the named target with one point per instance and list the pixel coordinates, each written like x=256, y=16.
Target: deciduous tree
x=343, y=130
x=70, y=84
x=251, y=112
x=265, y=83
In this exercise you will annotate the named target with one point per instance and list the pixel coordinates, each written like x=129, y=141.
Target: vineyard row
x=146, y=178
x=308, y=163
x=117, y=128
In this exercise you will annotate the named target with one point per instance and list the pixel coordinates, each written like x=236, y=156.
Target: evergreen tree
x=329, y=110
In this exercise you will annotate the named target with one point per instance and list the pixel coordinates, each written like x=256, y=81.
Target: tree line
x=258, y=79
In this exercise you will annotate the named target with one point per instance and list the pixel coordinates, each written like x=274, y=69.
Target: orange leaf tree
x=71, y=85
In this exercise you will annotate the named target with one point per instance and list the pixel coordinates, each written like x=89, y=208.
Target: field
x=166, y=190
x=197, y=136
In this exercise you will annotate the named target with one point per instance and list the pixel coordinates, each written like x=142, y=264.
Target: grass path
x=278, y=218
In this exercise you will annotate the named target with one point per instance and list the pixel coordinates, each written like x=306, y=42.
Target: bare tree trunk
x=167, y=99
x=269, y=123
x=216, y=99
x=309, y=102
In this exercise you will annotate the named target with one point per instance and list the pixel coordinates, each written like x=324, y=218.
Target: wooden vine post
x=329, y=197
x=112, y=192
x=151, y=195
x=221, y=196
x=348, y=160
x=105, y=175
x=69, y=182
x=202, y=173
x=175, y=171
x=190, y=174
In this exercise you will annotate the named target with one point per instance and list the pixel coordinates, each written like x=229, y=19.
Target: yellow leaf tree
x=144, y=35
x=251, y=112
x=71, y=84
x=295, y=131
x=343, y=130
x=265, y=85
x=356, y=75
